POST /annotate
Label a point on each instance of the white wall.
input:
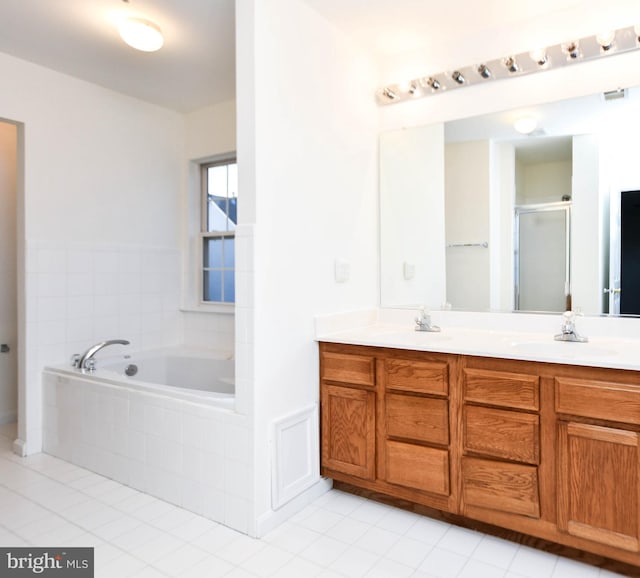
(313, 144)
(412, 234)
(103, 180)
(544, 182)
(8, 272)
(210, 133)
(467, 217)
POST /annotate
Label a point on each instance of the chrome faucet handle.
(90, 365)
(423, 322)
(568, 329)
(75, 360)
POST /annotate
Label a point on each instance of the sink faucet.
(86, 362)
(568, 329)
(423, 322)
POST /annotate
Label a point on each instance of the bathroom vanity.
(546, 448)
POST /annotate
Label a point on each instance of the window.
(219, 219)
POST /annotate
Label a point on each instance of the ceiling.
(196, 66)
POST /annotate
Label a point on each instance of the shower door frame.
(540, 208)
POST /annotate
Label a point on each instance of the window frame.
(204, 234)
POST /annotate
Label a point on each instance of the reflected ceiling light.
(525, 124)
(606, 39)
(539, 56)
(141, 34)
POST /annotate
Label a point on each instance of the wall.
(8, 272)
(544, 182)
(102, 184)
(307, 142)
(210, 132)
(412, 186)
(467, 213)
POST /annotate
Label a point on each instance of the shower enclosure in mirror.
(470, 175)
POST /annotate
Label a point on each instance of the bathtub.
(169, 430)
(201, 376)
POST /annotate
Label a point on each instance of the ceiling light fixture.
(141, 34)
(602, 45)
(525, 125)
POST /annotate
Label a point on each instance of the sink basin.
(566, 349)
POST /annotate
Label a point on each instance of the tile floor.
(45, 501)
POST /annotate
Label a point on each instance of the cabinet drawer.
(501, 486)
(417, 418)
(501, 388)
(501, 433)
(417, 467)
(347, 368)
(598, 399)
(417, 376)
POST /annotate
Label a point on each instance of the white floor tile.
(45, 501)
(443, 563)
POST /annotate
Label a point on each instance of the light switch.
(342, 270)
(409, 270)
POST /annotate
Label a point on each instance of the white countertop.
(531, 346)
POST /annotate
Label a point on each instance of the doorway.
(624, 286)
(8, 275)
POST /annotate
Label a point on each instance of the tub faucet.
(568, 329)
(86, 361)
(423, 322)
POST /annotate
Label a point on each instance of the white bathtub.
(201, 376)
(165, 431)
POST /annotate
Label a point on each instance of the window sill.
(227, 308)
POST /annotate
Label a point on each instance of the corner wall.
(313, 152)
(103, 177)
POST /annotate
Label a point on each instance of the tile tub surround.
(48, 502)
(188, 454)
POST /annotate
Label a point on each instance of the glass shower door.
(542, 271)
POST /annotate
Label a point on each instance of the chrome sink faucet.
(568, 329)
(423, 322)
(86, 362)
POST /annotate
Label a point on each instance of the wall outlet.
(409, 270)
(342, 270)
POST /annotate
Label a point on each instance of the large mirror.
(477, 216)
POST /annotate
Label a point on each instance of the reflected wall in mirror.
(475, 216)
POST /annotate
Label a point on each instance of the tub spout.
(86, 361)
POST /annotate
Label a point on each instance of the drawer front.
(347, 368)
(417, 467)
(516, 390)
(598, 399)
(501, 433)
(417, 376)
(501, 486)
(418, 418)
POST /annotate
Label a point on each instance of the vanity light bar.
(582, 50)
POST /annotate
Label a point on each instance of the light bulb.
(605, 39)
(572, 50)
(539, 56)
(511, 64)
(525, 124)
(141, 34)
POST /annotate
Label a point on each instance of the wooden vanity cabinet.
(348, 400)
(501, 438)
(544, 449)
(599, 458)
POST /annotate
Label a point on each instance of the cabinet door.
(598, 484)
(348, 430)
